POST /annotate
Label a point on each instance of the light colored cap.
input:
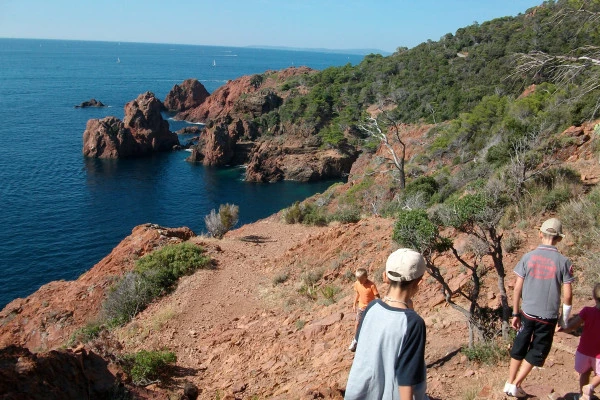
(552, 227)
(405, 265)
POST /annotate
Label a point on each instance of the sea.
(61, 213)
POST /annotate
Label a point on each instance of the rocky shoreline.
(230, 135)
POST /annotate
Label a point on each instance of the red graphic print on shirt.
(541, 267)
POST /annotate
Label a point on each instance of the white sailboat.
(118, 60)
(214, 63)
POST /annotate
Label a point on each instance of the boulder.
(143, 131)
(190, 94)
(90, 103)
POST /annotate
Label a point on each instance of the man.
(541, 274)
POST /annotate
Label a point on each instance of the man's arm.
(572, 325)
(516, 321)
(567, 294)
(406, 392)
(355, 302)
(567, 301)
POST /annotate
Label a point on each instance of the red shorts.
(585, 363)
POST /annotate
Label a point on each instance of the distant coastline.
(360, 52)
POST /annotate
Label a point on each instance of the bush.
(146, 367)
(308, 214)
(153, 275)
(329, 292)
(489, 353)
(346, 216)
(293, 214)
(85, 334)
(281, 278)
(511, 243)
(218, 224)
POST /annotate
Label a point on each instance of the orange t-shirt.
(366, 293)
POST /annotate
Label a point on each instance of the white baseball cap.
(405, 265)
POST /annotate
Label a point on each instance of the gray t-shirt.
(544, 271)
(390, 353)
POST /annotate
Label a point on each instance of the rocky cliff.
(233, 137)
(189, 94)
(142, 131)
(47, 318)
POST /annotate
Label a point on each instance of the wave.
(187, 122)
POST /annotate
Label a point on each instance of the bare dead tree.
(371, 127)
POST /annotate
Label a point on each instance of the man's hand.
(516, 323)
(353, 307)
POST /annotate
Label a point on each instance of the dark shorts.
(534, 340)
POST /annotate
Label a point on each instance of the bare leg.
(584, 379)
(523, 372)
(513, 369)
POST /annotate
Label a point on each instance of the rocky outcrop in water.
(271, 163)
(189, 94)
(90, 103)
(143, 131)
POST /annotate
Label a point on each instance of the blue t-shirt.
(544, 271)
(390, 353)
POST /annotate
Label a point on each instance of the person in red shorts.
(587, 356)
(366, 292)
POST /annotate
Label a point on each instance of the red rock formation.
(61, 374)
(222, 102)
(271, 163)
(47, 318)
(143, 131)
(190, 94)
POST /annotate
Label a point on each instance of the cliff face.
(142, 131)
(48, 317)
(232, 136)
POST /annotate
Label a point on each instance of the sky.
(329, 24)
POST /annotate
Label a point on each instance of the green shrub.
(554, 198)
(488, 352)
(153, 275)
(329, 292)
(427, 185)
(218, 224)
(313, 216)
(85, 334)
(293, 214)
(146, 367)
(346, 216)
(300, 324)
(511, 243)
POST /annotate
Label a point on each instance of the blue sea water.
(61, 213)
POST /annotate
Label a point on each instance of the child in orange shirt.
(366, 291)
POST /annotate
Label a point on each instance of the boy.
(390, 361)
(587, 356)
(366, 292)
(540, 275)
